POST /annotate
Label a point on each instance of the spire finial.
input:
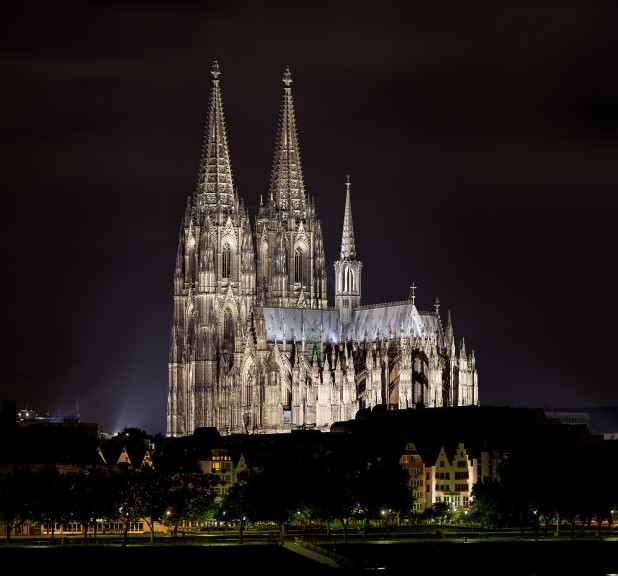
(347, 183)
(436, 305)
(215, 71)
(287, 77)
(412, 290)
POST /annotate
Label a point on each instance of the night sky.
(481, 140)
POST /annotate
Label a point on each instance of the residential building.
(412, 461)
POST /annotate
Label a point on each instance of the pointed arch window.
(281, 260)
(298, 265)
(226, 262)
(349, 279)
(417, 365)
(228, 330)
(264, 263)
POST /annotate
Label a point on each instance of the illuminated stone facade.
(254, 346)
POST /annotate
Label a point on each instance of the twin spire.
(215, 188)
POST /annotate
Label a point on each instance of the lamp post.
(469, 521)
(535, 513)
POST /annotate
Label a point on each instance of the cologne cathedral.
(254, 346)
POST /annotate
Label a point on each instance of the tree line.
(300, 482)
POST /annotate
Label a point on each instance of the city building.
(601, 420)
(254, 345)
(412, 461)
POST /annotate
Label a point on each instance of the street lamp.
(470, 521)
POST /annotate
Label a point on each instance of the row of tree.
(539, 487)
(283, 483)
(306, 484)
(93, 494)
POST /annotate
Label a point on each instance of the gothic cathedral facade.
(254, 346)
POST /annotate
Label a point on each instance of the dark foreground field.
(547, 558)
(512, 558)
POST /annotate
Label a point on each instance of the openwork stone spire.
(287, 188)
(348, 249)
(215, 189)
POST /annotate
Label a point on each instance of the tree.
(189, 496)
(150, 503)
(383, 485)
(440, 511)
(52, 498)
(515, 493)
(16, 496)
(133, 433)
(276, 481)
(337, 489)
(130, 489)
(237, 503)
(487, 503)
(91, 497)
